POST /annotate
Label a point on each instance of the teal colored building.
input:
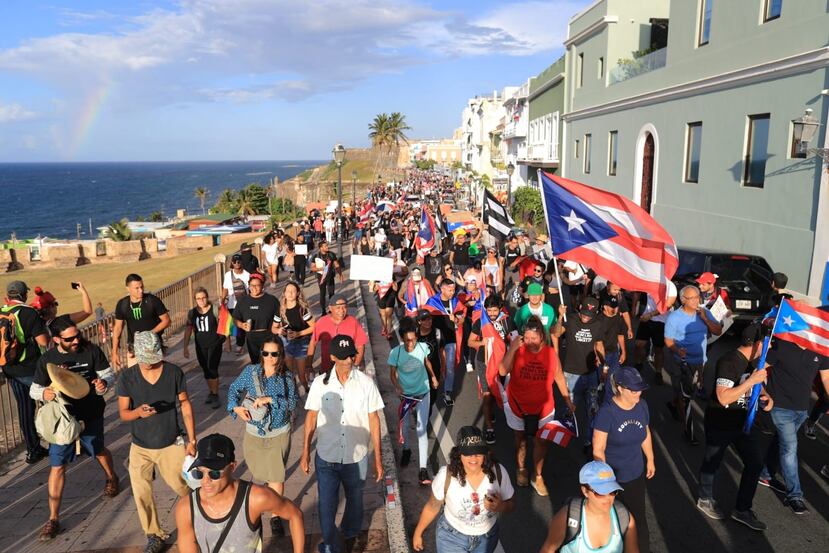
(694, 109)
(546, 107)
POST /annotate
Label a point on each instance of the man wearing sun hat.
(80, 372)
(147, 397)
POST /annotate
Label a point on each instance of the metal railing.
(177, 297)
(638, 66)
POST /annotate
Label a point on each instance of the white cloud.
(255, 50)
(15, 112)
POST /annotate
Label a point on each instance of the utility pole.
(78, 228)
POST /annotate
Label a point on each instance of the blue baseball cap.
(600, 477)
(629, 377)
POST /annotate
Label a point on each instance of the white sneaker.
(710, 508)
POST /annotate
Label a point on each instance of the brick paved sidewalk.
(94, 523)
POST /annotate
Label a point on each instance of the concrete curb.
(398, 540)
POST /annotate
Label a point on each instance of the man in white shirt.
(344, 406)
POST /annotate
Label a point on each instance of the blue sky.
(253, 79)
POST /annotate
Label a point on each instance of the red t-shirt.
(326, 329)
(530, 388)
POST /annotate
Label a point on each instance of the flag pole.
(755, 390)
(550, 234)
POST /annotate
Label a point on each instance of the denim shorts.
(297, 348)
(92, 441)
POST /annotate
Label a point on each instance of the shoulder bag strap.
(447, 482)
(234, 512)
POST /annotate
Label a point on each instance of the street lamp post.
(339, 157)
(510, 171)
(353, 188)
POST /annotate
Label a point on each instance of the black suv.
(746, 278)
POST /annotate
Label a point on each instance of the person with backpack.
(203, 321)
(594, 521)
(622, 439)
(23, 336)
(411, 374)
(473, 489)
(211, 519)
(264, 395)
(73, 353)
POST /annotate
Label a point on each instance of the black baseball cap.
(236, 257)
(215, 452)
(610, 301)
(342, 346)
(589, 307)
(422, 315)
(470, 441)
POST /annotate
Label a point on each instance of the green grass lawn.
(105, 281)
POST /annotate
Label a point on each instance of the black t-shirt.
(297, 320)
(732, 369)
(435, 340)
(140, 316)
(205, 327)
(504, 326)
(262, 311)
(461, 253)
(328, 259)
(433, 265)
(249, 262)
(161, 429)
(87, 361)
(611, 329)
(623, 302)
(791, 374)
(580, 357)
(395, 240)
(444, 324)
(510, 256)
(33, 326)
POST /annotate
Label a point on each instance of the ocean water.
(50, 199)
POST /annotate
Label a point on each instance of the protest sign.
(371, 267)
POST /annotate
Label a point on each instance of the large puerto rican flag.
(611, 234)
(495, 348)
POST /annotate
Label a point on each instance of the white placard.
(301, 249)
(319, 263)
(371, 267)
(719, 309)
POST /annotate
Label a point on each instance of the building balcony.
(516, 128)
(636, 66)
(543, 154)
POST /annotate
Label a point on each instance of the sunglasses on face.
(594, 492)
(271, 354)
(197, 474)
(71, 338)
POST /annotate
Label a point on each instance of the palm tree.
(386, 133)
(118, 231)
(201, 193)
(227, 201)
(378, 130)
(246, 202)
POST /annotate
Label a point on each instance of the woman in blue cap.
(594, 522)
(622, 439)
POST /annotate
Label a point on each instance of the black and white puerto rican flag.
(494, 215)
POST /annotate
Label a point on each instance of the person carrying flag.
(532, 367)
(725, 418)
(415, 291)
(496, 322)
(799, 355)
(411, 374)
(449, 315)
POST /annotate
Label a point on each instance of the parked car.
(747, 278)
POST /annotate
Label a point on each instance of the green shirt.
(548, 316)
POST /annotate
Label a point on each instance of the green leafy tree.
(118, 231)
(156, 217)
(258, 197)
(201, 193)
(527, 207)
(228, 202)
(425, 164)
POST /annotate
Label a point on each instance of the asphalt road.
(676, 525)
